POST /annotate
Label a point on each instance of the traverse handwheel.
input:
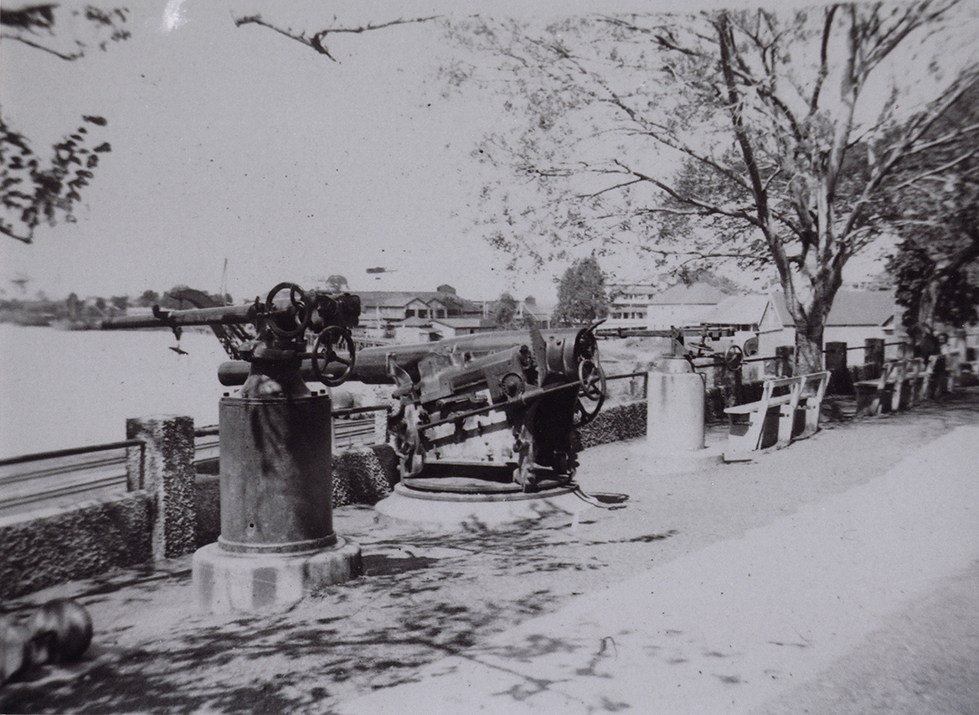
(333, 355)
(591, 393)
(291, 323)
(733, 357)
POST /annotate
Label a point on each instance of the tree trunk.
(809, 346)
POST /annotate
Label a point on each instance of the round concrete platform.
(226, 581)
(472, 509)
(660, 460)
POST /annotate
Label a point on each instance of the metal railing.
(102, 470)
(66, 476)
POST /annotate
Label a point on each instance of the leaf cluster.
(33, 190)
(35, 25)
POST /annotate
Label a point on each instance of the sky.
(237, 146)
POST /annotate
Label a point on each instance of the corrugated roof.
(683, 294)
(400, 298)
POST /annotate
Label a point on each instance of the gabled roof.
(739, 310)
(853, 307)
(401, 298)
(782, 308)
(683, 294)
(850, 307)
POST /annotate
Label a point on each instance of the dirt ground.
(427, 594)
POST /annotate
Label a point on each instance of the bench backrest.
(814, 384)
(893, 371)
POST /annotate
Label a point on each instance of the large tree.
(935, 208)
(35, 187)
(505, 312)
(756, 136)
(581, 297)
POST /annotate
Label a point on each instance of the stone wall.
(207, 520)
(56, 545)
(614, 424)
(44, 548)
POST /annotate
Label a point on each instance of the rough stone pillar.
(839, 378)
(168, 474)
(381, 427)
(873, 353)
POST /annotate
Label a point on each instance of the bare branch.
(315, 42)
(706, 208)
(7, 231)
(38, 46)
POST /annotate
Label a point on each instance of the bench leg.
(786, 420)
(868, 403)
(896, 396)
(812, 419)
(745, 432)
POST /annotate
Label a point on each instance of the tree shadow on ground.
(424, 596)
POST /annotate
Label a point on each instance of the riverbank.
(430, 595)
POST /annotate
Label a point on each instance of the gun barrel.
(372, 365)
(233, 373)
(221, 315)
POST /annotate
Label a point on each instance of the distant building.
(682, 306)
(422, 316)
(523, 310)
(628, 306)
(453, 327)
(381, 312)
(753, 317)
(858, 315)
(421, 330)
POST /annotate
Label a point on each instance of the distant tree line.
(41, 310)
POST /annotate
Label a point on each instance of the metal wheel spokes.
(586, 346)
(333, 355)
(294, 322)
(592, 380)
(591, 394)
(733, 357)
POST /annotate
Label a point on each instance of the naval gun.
(500, 403)
(725, 354)
(273, 338)
(510, 399)
(276, 452)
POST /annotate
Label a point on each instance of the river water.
(61, 388)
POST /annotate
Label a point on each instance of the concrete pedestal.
(277, 542)
(225, 581)
(675, 421)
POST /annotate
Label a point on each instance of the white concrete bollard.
(675, 408)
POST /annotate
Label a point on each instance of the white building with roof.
(682, 306)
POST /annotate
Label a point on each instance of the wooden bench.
(884, 393)
(810, 402)
(774, 418)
